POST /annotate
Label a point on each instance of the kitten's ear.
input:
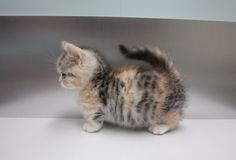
(72, 50)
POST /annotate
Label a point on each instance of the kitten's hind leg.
(93, 123)
(169, 121)
(159, 129)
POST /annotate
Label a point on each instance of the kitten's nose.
(60, 78)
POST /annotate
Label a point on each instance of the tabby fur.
(131, 96)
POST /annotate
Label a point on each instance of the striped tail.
(156, 57)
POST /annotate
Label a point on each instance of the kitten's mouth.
(67, 86)
(62, 84)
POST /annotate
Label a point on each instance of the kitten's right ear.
(72, 50)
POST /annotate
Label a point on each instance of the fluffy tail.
(156, 58)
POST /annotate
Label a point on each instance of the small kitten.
(130, 96)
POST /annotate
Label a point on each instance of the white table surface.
(63, 139)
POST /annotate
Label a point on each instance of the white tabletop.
(63, 139)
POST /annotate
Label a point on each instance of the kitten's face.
(75, 66)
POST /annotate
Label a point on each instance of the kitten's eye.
(63, 75)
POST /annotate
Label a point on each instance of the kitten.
(130, 96)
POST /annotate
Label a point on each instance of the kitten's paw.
(91, 127)
(159, 129)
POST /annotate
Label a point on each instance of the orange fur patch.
(127, 75)
(171, 119)
(162, 89)
(88, 101)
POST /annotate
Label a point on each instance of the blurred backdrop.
(204, 52)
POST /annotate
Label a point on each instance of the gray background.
(204, 52)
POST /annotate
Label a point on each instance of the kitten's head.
(77, 66)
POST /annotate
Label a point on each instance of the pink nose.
(60, 79)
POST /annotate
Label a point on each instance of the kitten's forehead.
(60, 58)
(64, 62)
(89, 62)
(59, 61)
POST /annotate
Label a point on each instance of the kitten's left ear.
(72, 50)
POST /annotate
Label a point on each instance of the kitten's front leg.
(94, 123)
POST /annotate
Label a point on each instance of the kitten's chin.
(67, 86)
